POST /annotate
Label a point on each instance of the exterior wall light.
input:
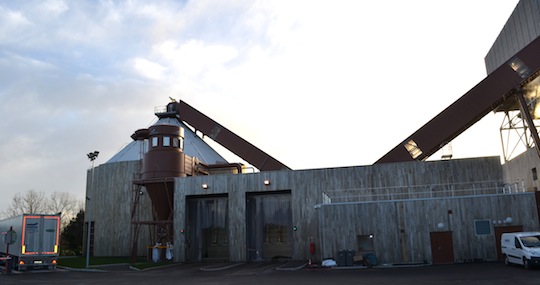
(507, 220)
(518, 66)
(205, 186)
(266, 182)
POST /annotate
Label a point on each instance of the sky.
(315, 84)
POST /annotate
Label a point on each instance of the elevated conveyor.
(250, 153)
(499, 90)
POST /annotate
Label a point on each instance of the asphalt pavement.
(295, 273)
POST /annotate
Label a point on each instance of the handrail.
(460, 189)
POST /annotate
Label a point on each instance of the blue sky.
(313, 83)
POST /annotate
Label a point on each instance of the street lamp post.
(92, 156)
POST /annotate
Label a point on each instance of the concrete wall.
(110, 208)
(400, 203)
(307, 188)
(401, 229)
(518, 172)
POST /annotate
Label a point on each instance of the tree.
(72, 236)
(33, 202)
(64, 203)
(29, 202)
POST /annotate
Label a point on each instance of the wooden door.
(498, 233)
(442, 247)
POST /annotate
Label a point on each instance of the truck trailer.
(32, 241)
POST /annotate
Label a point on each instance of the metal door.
(442, 247)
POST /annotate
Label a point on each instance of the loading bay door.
(269, 226)
(207, 229)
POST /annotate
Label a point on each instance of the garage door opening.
(269, 226)
(207, 235)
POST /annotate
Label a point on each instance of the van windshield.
(532, 241)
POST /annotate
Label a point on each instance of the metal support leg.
(528, 118)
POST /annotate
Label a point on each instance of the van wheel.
(526, 263)
(506, 260)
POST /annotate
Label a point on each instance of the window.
(166, 141)
(534, 174)
(482, 227)
(178, 142)
(154, 141)
(145, 146)
(531, 241)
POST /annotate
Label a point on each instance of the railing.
(430, 191)
(514, 187)
(160, 109)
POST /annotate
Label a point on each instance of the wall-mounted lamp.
(507, 220)
(266, 182)
(205, 186)
(440, 226)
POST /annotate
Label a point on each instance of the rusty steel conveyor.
(228, 139)
(503, 87)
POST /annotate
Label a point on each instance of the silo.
(163, 161)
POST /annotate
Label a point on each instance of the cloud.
(148, 69)
(294, 78)
(12, 24)
(54, 8)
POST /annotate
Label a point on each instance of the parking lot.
(269, 273)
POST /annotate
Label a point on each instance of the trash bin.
(341, 258)
(345, 258)
(370, 259)
(349, 258)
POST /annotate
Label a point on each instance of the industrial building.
(169, 187)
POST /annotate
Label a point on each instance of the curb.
(287, 267)
(80, 269)
(210, 268)
(154, 267)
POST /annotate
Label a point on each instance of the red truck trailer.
(32, 241)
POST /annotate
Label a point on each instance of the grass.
(80, 262)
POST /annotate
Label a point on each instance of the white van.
(521, 248)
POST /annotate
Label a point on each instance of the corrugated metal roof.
(194, 146)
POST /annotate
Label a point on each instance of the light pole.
(92, 156)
